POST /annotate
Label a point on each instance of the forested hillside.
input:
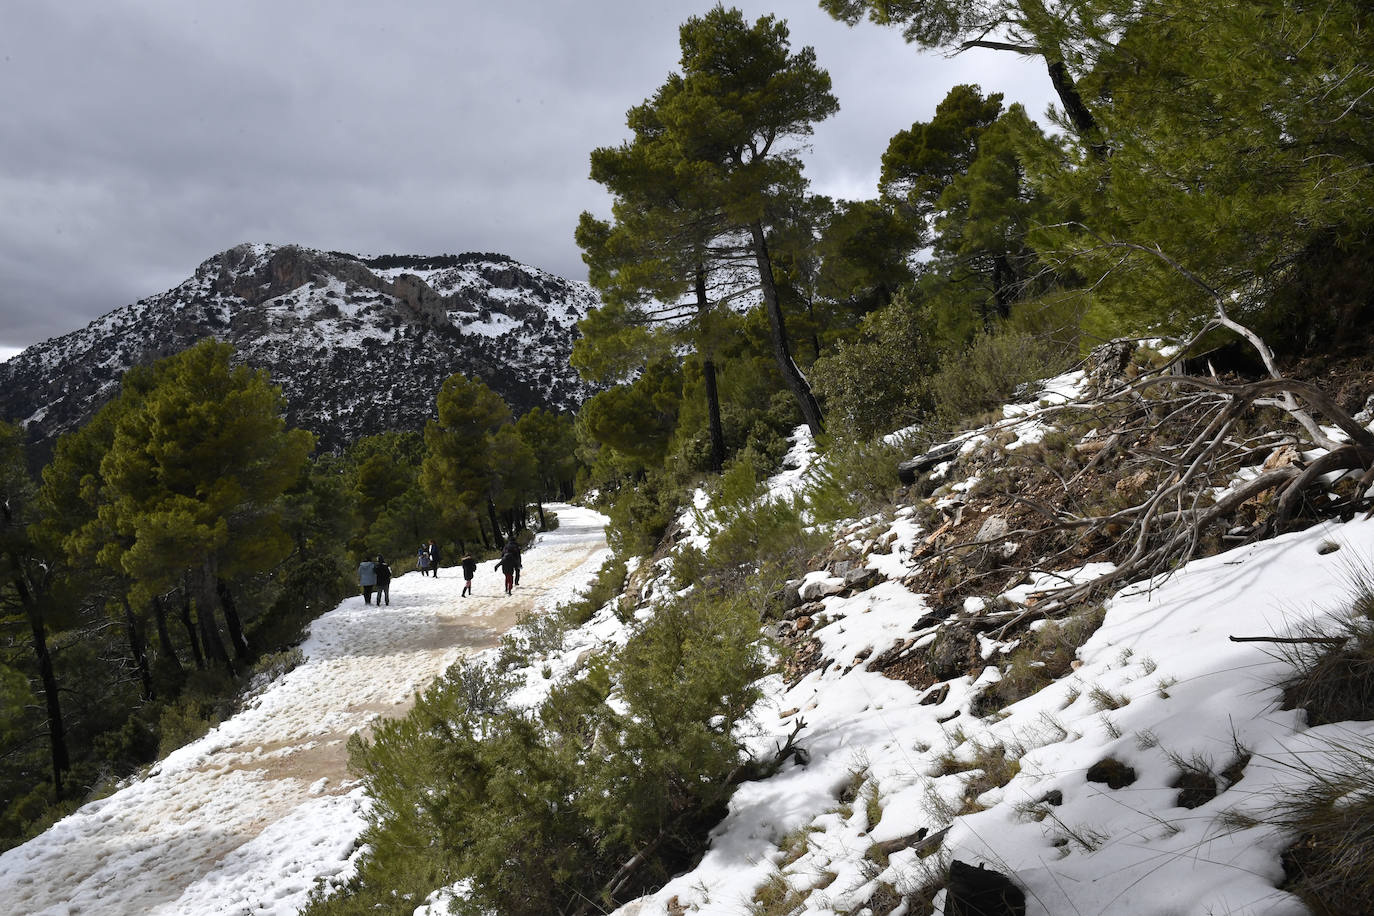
(177, 544)
(1181, 242)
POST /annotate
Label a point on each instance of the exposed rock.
(862, 578)
(817, 589)
(982, 891)
(1106, 364)
(953, 653)
(1133, 485)
(1111, 771)
(791, 594)
(810, 609)
(1283, 457)
(935, 696)
(994, 528)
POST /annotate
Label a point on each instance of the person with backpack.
(383, 573)
(367, 578)
(469, 567)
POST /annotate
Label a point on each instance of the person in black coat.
(469, 567)
(433, 550)
(383, 573)
(509, 562)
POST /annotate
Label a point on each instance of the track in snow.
(244, 820)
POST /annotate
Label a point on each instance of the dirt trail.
(140, 850)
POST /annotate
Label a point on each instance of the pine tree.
(1241, 139)
(194, 480)
(28, 604)
(715, 138)
(474, 462)
(551, 439)
(1063, 36)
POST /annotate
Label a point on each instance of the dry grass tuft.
(1328, 866)
(1333, 682)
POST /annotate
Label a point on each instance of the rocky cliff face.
(358, 345)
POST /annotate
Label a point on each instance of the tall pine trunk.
(232, 622)
(1084, 124)
(708, 371)
(138, 649)
(164, 637)
(209, 635)
(57, 732)
(192, 636)
(495, 525)
(777, 333)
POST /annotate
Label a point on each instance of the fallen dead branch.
(1187, 436)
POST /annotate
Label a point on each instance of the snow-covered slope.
(358, 345)
(1160, 683)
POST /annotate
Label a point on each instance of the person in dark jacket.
(509, 562)
(433, 550)
(383, 574)
(469, 567)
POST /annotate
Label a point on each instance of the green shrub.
(852, 480)
(1045, 654)
(180, 724)
(207, 700)
(877, 381)
(534, 810)
(640, 512)
(757, 542)
(610, 579)
(989, 371)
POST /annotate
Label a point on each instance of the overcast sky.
(141, 137)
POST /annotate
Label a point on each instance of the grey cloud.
(155, 133)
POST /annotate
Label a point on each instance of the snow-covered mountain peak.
(359, 344)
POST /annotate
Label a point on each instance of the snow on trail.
(244, 820)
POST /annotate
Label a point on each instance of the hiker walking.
(422, 560)
(509, 562)
(433, 549)
(383, 574)
(367, 578)
(469, 567)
